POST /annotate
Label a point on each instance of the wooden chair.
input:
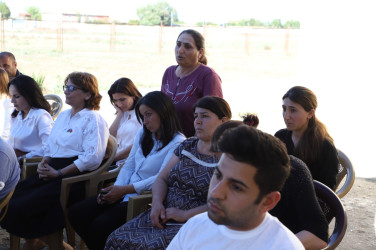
(92, 185)
(346, 169)
(4, 205)
(56, 104)
(337, 211)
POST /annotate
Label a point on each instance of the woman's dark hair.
(4, 80)
(215, 104)
(199, 42)
(29, 89)
(124, 86)
(88, 83)
(251, 120)
(163, 106)
(309, 145)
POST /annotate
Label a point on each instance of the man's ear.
(270, 201)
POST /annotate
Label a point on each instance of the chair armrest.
(138, 204)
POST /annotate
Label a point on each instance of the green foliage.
(4, 10)
(276, 23)
(247, 22)
(292, 24)
(153, 14)
(206, 23)
(134, 22)
(40, 80)
(34, 13)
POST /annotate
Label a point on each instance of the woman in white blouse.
(124, 95)
(95, 218)
(31, 121)
(77, 144)
(6, 106)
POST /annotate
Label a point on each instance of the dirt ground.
(360, 205)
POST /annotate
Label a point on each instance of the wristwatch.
(59, 173)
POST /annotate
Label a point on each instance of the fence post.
(60, 35)
(2, 35)
(112, 37)
(287, 39)
(246, 44)
(160, 38)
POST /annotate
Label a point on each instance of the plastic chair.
(138, 204)
(56, 104)
(91, 188)
(337, 211)
(4, 205)
(345, 169)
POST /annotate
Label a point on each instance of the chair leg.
(14, 242)
(55, 240)
(71, 234)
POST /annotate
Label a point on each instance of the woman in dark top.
(306, 137)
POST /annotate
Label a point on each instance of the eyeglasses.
(69, 88)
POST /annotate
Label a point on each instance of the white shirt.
(200, 232)
(141, 171)
(84, 135)
(126, 132)
(30, 134)
(6, 108)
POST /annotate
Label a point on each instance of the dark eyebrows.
(232, 180)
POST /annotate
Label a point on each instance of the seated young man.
(245, 186)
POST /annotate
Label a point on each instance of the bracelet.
(59, 173)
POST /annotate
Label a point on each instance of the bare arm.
(123, 154)
(184, 215)
(45, 171)
(158, 212)
(310, 241)
(116, 123)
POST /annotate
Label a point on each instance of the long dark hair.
(163, 106)
(309, 146)
(199, 42)
(127, 87)
(29, 89)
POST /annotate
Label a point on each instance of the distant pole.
(2, 35)
(112, 38)
(60, 35)
(287, 39)
(246, 44)
(160, 38)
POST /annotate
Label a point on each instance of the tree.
(153, 14)
(4, 10)
(34, 13)
(276, 23)
(292, 24)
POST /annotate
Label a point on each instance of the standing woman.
(306, 137)
(124, 95)
(31, 121)
(191, 79)
(6, 106)
(77, 144)
(95, 218)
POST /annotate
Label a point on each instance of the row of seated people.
(150, 154)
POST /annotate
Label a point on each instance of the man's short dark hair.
(8, 54)
(261, 150)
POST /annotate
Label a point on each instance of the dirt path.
(360, 204)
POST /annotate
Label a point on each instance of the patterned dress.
(188, 184)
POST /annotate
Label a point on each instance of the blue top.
(141, 171)
(9, 169)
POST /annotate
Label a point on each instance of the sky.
(191, 11)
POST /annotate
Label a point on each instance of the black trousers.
(95, 222)
(34, 210)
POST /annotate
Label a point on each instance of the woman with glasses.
(181, 188)
(31, 121)
(124, 95)
(77, 144)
